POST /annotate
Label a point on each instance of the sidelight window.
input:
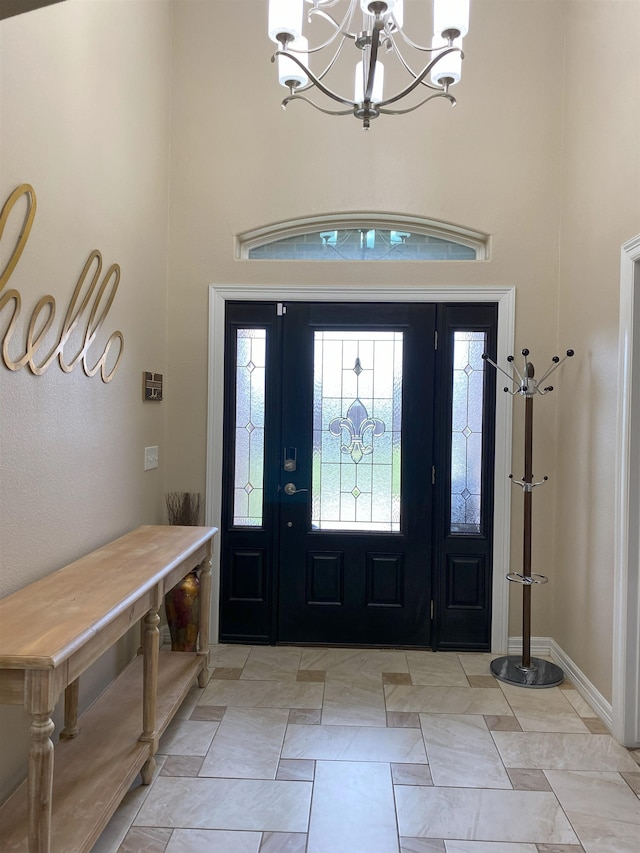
(249, 427)
(466, 431)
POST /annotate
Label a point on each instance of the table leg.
(40, 782)
(205, 616)
(71, 727)
(151, 652)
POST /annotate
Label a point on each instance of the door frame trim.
(626, 590)
(505, 297)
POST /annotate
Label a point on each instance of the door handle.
(290, 489)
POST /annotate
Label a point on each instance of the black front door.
(355, 541)
(356, 509)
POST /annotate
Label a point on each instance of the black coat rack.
(527, 671)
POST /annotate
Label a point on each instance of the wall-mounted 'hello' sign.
(88, 307)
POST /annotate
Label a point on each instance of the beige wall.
(601, 210)
(84, 118)
(492, 163)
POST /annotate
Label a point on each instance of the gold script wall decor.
(85, 306)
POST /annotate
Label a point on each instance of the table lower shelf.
(93, 771)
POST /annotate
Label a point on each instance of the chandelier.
(381, 32)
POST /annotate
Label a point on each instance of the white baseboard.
(547, 647)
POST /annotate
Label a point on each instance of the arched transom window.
(363, 237)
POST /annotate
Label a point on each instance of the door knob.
(290, 489)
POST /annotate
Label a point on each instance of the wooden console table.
(50, 633)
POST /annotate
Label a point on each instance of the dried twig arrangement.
(183, 508)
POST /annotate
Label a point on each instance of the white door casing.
(503, 296)
(626, 597)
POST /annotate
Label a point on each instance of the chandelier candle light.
(382, 30)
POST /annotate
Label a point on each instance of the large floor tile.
(230, 804)
(145, 839)
(228, 656)
(476, 663)
(446, 700)
(354, 743)
(543, 710)
(355, 660)
(353, 809)
(558, 751)
(482, 815)
(436, 668)
(247, 744)
(272, 663)
(213, 841)
(604, 811)
(187, 737)
(580, 705)
(353, 699)
(263, 694)
(488, 847)
(461, 752)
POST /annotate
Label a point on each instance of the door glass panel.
(466, 431)
(249, 427)
(357, 413)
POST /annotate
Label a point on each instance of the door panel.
(463, 517)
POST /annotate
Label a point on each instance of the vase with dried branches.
(182, 603)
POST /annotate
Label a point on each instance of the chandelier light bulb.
(448, 69)
(360, 82)
(290, 75)
(451, 16)
(380, 7)
(285, 19)
(398, 14)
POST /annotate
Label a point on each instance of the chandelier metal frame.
(382, 29)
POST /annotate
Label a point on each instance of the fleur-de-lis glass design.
(358, 427)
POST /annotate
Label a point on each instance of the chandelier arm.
(446, 95)
(320, 85)
(408, 68)
(426, 70)
(326, 70)
(414, 44)
(290, 98)
(339, 27)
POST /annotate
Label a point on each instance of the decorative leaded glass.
(466, 431)
(357, 413)
(363, 244)
(249, 427)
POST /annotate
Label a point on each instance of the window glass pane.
(466, 431)
(249, 427)
(357, 405)
(369, 244)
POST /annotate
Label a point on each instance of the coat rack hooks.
(526, 671)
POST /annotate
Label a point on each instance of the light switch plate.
(150, 458)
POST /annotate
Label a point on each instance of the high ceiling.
(9, 8)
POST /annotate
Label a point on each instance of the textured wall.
(84, 118)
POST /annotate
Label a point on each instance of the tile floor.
(308, 750)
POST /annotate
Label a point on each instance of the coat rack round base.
(539, 673)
